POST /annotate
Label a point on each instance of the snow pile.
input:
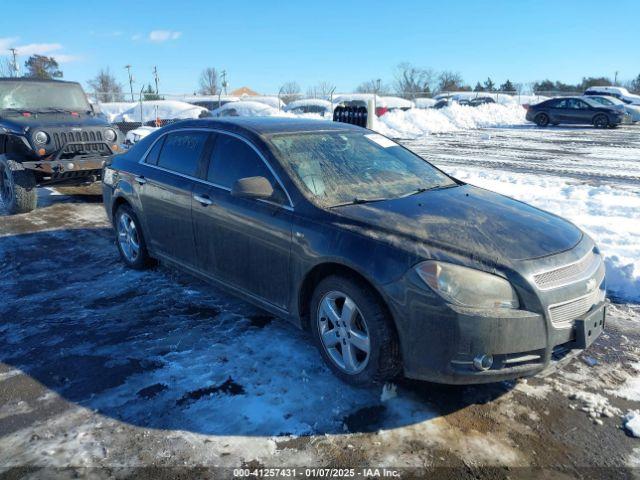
(112, 109)
(610, 215)
(417, 122)
(632, 422)
(308, 102)
(595, 405)
(248, 109)
(396, 102)
(162, 109)
(273, 102)
(137, 134)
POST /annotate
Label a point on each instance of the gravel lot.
(104, 370)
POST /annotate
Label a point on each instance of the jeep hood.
(466, 220)
(43, 121)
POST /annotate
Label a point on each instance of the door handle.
(203, 200)
(141, 180)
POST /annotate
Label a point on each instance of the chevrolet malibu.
(393, 266)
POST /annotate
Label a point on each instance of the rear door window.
(154, 153)
(181, 152)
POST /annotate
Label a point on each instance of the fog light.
(483, 362)
(70, 166)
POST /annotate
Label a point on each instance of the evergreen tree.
(489, 86)
(507, 86)
(478, 87)
(150, 94)
(40, 66)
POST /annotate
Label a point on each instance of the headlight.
(466, 286)
(41, 138)
(110, 135)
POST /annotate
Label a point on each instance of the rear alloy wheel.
(353, 332)
(130, 240)
(18, 191)
(601, 121)
(542, 120)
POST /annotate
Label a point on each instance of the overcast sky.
(262, 44)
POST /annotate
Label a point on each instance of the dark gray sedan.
(392, 265)
(574, 110)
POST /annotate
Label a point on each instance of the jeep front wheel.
(18, 192)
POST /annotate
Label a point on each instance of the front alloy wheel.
(343, 332)
(354, 331)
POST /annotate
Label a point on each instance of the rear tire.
(542, 119)
(369, 327)
(18, 191)
(130, 239)
(600, 121)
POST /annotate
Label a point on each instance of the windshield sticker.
(384, 142)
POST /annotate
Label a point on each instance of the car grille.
(563, 315)
(569, 273)
(61, 138)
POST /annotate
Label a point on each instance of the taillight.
(381, 111)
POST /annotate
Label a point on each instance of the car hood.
(44, 121)
(465, 220)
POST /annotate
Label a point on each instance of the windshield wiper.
(359, 201)
(16, 110)
(426, 189)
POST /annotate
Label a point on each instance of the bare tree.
(209, 82)
(376, 86)
(411, 81)
(289, 92)
(105, 87)
(450, 81)
(321, 90)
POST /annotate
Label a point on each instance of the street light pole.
(155, 77)
(14, 66)
(128, 67)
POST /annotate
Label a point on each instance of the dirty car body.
(478, 287)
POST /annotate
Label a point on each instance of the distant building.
(242, 91)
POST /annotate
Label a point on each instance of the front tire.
(542, 120)
(601, 121)
(130, 239)
(354, 332)
(18, 191)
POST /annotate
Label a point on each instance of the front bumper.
(57, 167)
(439, 342)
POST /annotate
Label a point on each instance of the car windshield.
(337, 168)
(42, 96)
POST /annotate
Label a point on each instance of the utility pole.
(615, 80)
(128, 67)
(155, 77)
(14, 66)
(224, 81)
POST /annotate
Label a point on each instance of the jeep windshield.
(42, 97)
(339, 168)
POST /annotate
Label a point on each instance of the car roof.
(269, 125)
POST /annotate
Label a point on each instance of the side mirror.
(252, 187)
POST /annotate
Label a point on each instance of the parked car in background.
(49, 135)
(397, 103)
(476, 102)
(376, 252)
(273, 102)
(310, 105)
(574, 110)
(617, 92)
(632, 110)
(244, 109)
(424, 102)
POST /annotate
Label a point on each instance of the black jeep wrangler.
(49, 135)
